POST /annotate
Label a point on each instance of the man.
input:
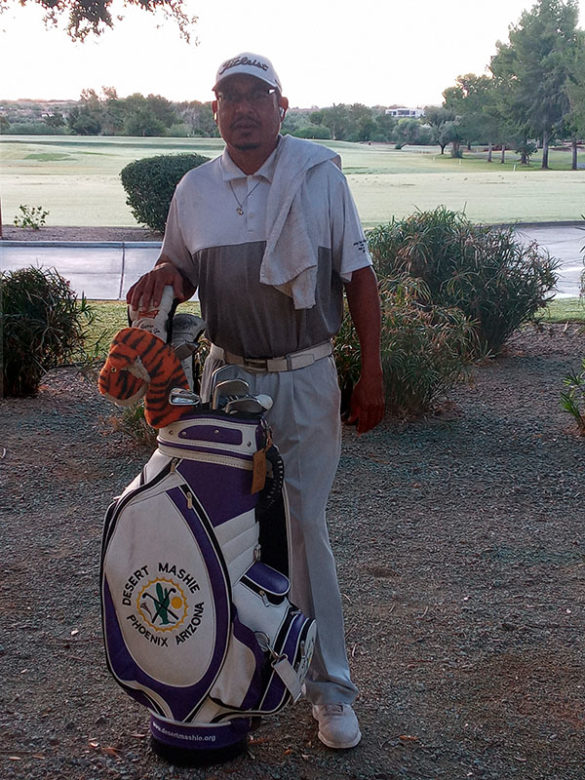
(269, 235)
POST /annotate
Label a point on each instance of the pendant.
(240, 211)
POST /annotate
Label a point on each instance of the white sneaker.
(338, 725)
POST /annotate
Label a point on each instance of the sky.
(375, 52)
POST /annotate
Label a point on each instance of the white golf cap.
(248, 64)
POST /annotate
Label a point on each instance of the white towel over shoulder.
(290, 258)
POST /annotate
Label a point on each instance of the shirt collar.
(231, 171)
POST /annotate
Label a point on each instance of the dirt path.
(461, 560)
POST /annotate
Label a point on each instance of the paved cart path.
(105, 270)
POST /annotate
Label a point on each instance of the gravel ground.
(461, 561)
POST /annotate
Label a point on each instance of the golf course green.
(77, 180)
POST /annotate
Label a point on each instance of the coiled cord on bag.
(275, 481)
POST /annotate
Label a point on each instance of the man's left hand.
(367, 403)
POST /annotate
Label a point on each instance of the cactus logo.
(162, 605)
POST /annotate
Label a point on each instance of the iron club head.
(180, 397)
(227, 388)
(247, 404)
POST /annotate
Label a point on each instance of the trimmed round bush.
(43, 326)
(496, 281)
(150, 184)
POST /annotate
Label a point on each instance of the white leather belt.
(300, 359)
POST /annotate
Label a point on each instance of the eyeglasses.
(255, 97)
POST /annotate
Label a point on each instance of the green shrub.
(31, 217)
(33, 128)
(42, 323)
(424, 348)
(496, 281)
(150, 184)
(313, 131)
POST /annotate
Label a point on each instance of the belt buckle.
(255, 363)
(274, 365)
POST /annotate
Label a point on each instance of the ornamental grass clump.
(150, 184)
(573, 397)
(425, 349)
(495, 280)
(131, 422)
(43, 326)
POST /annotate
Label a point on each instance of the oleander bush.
(425, 349)
(150, 184)
(496, 281)
(43, 325)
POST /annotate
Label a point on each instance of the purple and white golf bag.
(197, 622)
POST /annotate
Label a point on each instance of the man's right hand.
(147, 291)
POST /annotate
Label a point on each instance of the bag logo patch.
(162, 605)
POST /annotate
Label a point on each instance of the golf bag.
(197, 622)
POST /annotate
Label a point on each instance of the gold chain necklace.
(240, 209)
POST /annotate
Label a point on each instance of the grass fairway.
(112, 316)
(78, 180)
(565, 310)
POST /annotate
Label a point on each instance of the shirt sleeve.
(349, 242)
(174, 247)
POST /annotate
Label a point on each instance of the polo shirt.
(219, 250)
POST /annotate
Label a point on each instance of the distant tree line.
(532, 96)
(108, 114)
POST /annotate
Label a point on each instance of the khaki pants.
(306, 428)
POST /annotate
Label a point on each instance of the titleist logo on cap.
(241, 61)
(246, 63)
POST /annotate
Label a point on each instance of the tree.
(147, 116)
(533, 68)
(87, 118)
(385, 124)
(336, 118)
(113, 112)
(83, 122)
(199, 118)
(54, 120)
(143, 122)
(355, 122)
(162, 109)
(436, 117)
(406, 132)
(471, 100)
(361, 125)
(93, 17)
(575, 119)
(452, 133)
